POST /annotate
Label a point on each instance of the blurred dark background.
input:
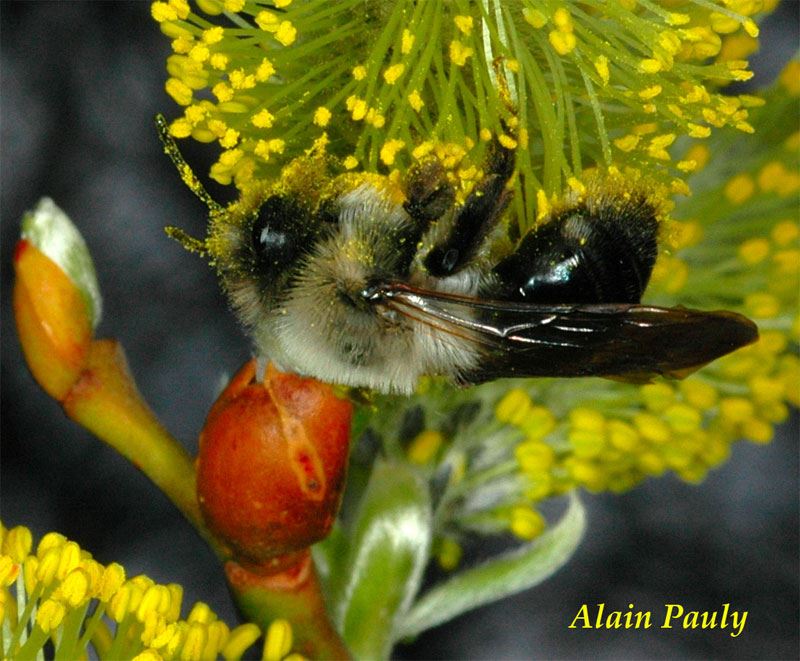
(81, 82)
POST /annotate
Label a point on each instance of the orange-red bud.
(53, 320)
(271, 465)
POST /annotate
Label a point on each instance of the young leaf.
(499, 577)
(388, 551)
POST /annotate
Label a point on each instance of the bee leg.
(476, 218)
(429, 195)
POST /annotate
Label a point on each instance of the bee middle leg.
(476, 218)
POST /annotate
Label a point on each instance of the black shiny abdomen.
(602, 255)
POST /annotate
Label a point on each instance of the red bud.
(272, 464)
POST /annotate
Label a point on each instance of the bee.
(363, 282)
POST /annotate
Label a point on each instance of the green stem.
(105, 401)
(294, 594)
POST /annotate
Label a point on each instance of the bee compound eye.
(278, 231)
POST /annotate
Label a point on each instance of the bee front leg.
(429, 195)
(476, 218)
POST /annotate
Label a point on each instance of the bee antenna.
(189, 242)
(184, 170)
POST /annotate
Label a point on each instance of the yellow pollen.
(161, 11)
(535, 17)
(194, 643)
(459, 53)
(415, 100)
(213, 35)
(322, 116)
(74, 588)
(278, 641)
(392, 74)
(698, 393)
(217, 127)
(790, 77)
(240, 639)
(424, 447)
(199, 53)
(627, 143)
(751, 28)
(678, 19)
(722, 23)
(526, 523)
(762, 305)
(657, 396)
(513, 407)
(9, 570)
(682, 418)
(740, 188)
(753, 251)
(182, 45)
(622, 436)
(698, 131)
(222, 91)
(267, 21)
(700, 154)
(179, 91)
(542, 205)
(201, 612)
(265, 70)
(736, 409)
(357, 107)
(350, 163)
(219, 61)
(463, 23)
(658, 145)
(17, 543)
(562, 42)
(70, 556)
(406, 42)
(230, 157)
(650, 66)
(576, 185)
(650, 92)
(50, 615)
(263, 119)
(601, 66)
(651, 428)
(507, 141)
(230, 139)
(286, 33)
(587, 419)
(359, 72)
(562, 20)
(390, 149)
(534, 456)
(785, 233)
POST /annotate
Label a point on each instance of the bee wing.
(620, 341)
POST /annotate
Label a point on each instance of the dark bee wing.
(619, 341)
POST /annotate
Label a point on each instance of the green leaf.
(50, 230)
(499, 577)
(389, 549)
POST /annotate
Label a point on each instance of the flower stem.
(293, 594)
(105, 401)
